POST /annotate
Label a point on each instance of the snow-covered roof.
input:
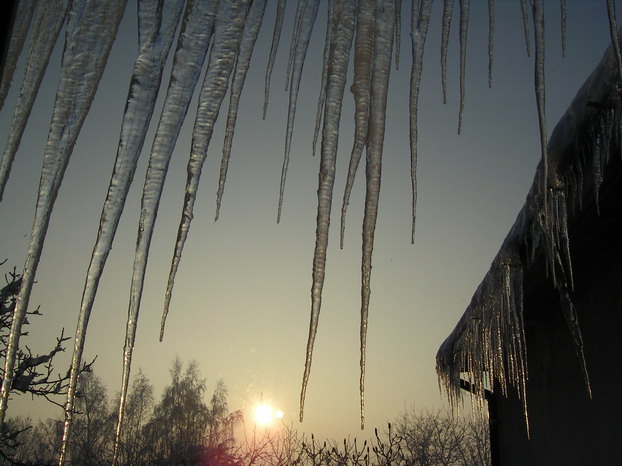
(488, 343)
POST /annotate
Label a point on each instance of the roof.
(488, 343)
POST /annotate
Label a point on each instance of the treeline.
(182, 429)
(179, 429)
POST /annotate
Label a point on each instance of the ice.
(342, 33)
(157, 26)
(192, 45)
(223, 53)
(252, 25)
(328, 42)
(489, 341)
(464, 28)
(448, 8)
(48, 20)
(398, 32)
(384, 33)
(613, 29)
(91, 29)
(363, 59)
(419, 24)
(21, 24)
(538, 21)
(523, 8)
(278, 26)
(562, 6)
(572, 321)
(295, 35)
(491, 33)
(301, 41)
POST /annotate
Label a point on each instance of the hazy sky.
(242, 298)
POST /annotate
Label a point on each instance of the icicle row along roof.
(488, 343)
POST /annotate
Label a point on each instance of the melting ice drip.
(231, 29)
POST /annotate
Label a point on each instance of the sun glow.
(265, 414)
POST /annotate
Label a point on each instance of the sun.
(265, 414)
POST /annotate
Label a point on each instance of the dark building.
(542, 336)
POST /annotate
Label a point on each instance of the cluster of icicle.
(224, 34)
(488, 345)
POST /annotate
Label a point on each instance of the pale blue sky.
(242, 299)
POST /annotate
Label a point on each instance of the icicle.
(448, 8)
(523, 8)
(278, 26)
(572, 321)
(49, 19)
(339, 55)
(491, 33)
(307, 21)
(464, 26)
(613, 30)
(192, 46)
(295, 38)
(562, 5)
(249, 37)
(90, 33)
(21, 24)
(154, 47)
(91, 30)
(538, 21)
(363, 58)
(419, 24)
(227, 36)
(384, 31)
(398, 32)
(325, 62)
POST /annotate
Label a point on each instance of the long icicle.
(338, 58)
(398, 32)
(538, 22)
(302, 43)
(491, 36)
(91, 30)
(21, 24)
(227, 35)
(249, 37)
(294, 43)
(363, 58)
(86, 51)
(384, 32)
(562, 7)
(464, 27)
(613, 30)
(448, 9)
(47, 23)
(154, 47)
(325, 61)
(276, 36)
(419, 29)
(192, 46)
(525, 15)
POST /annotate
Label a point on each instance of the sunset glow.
(265, 414)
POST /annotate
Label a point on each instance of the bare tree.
(439, 438)
(180, 420)
(33, 373)
(133, 448)
(92, 434)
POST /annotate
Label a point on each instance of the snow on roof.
(488, 343)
